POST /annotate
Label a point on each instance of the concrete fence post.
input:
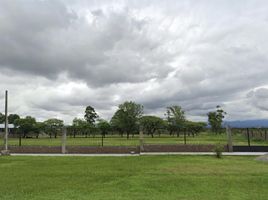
(141, 139)
(229, 139)
(63, 141)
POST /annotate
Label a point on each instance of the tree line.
(128, 120)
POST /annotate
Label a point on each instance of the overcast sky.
(57, 57)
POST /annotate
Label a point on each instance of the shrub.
(218, 150)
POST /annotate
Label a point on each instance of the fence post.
(141, 139)
(6, 151)
(229, 139)
(20, 140)
(248, 137)
(184, 136)
(63, 141)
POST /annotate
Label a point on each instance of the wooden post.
(141, 139)
(63, 141)
(248, 137)
(6, 151)
(229, 139)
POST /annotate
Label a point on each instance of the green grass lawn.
(144, 178)
(203, 138)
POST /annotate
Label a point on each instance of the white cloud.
(56, 57)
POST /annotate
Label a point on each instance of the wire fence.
(239, 137)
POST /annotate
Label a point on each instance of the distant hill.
(258, 123)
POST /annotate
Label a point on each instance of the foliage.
(218, 150)
(90, 115)
(2, 118)
(151, 124)
(195, 127)
(25, 125)
(175, 118)
(12, 118)
(104, 127)
(215, 119)
(53, 125)
(82, 127)
(127, 116)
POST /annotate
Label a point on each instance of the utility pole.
(6, 151)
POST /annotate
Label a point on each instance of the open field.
(145, 177)
(203, 138)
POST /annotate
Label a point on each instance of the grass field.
(203, 138)
(144, 178)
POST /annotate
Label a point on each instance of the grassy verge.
(146, 177)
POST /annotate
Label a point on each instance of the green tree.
(195, 127)
(2, 118)
(25, 125)
(53, 126)
(151, 124)
(12, 118)
(127, 116)
(104, 127)
(39, 128)
(175, 118)
(90, 115)
(116, 125)
(82, 127)
(215, 119)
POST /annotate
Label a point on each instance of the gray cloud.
(56, 57)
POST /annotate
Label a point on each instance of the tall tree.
(176, 119)
(127, 116)
(151, 124)
(215, 119)
(90, 115)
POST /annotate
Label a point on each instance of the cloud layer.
(56, 57)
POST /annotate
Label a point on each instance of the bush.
(218, 150)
